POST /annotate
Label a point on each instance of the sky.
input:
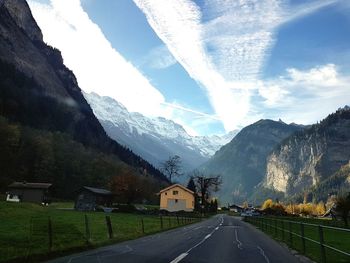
(210, 65)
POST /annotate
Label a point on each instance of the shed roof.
(25, 185)
(98, 191)
(176, 185)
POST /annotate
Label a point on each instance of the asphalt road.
(219, 239)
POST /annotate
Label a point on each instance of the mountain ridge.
(242, 162)
(311, 156)
(154, 138)
(46, 95)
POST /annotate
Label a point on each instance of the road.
(218, 239)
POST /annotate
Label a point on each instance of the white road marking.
(179, 258)
(183, 255)
(262, 252)
(238, 241)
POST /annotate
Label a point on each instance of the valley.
(199, 168)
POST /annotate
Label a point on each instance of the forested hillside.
(55, 135)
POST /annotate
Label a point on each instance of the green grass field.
(332, 237)
(24, 230)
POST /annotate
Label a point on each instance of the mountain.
(155, 139)
(311, 156)
(242, 162)
(40, 98)
(338, 183)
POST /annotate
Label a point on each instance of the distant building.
(176, 198)
(28, 192)
(90, 198)
(236, 208)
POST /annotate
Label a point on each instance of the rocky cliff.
(242, 162)
(309, 157)
(45, 94)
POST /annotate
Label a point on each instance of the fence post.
(275, 227)
(178, 221)
(142, 226)
(161, 222)
(50, 233)
(302, 232)
(290, 233)
(282, 222)
(182, 220)
(87, 229)
(169, 218)
(323, 252)
(109, 227)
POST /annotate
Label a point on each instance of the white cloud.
(307, 8)
(321, 76)
(306, 96)
(101, 69)
(177, 23)
(97, 65)
(223, 46)
(159, 58)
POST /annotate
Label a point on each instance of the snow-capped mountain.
(155, 139)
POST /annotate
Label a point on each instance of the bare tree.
(206, 185)
(172, 167)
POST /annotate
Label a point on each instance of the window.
(175, 192)
(166, 193)
(176, 200)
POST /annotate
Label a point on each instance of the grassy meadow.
(24, 230)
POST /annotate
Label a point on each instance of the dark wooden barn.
(28, 192)
(90, 198)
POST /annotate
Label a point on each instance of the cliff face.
(311, 156)
(242, 162)
(18, 9)
(52, 100)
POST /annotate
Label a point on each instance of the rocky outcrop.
(308, 157)
(19, 11)
(242, 162)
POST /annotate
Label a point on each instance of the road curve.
(219, 239)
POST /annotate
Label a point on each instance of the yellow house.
(176, 198)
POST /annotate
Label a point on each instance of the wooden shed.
(28, 192)
(89, 198)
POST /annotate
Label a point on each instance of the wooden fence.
(309, 239)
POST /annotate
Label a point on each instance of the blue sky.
(210, 65)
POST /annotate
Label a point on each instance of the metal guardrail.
(266, 223)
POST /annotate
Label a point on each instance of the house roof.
(25, 185)
(176, 185)
(236, 206)
(99, 191)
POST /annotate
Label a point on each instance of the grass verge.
(332, 237)
(25, 230)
